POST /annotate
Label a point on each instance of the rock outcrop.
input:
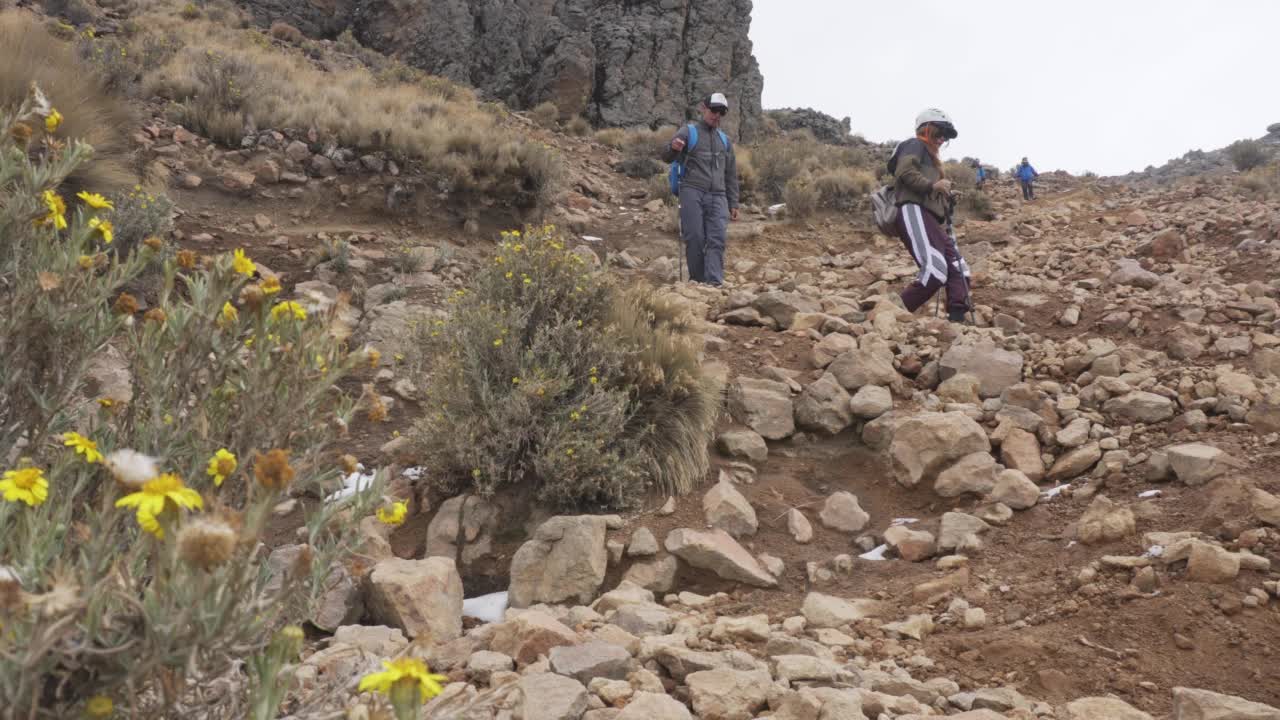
(619, 62)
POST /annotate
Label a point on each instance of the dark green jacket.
(914, 173)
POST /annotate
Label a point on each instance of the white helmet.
(940, 118)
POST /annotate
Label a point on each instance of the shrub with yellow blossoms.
(128, 572)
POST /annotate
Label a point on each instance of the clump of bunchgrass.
(546, 375)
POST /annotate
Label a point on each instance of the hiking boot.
(958, 315)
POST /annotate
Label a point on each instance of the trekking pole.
(951, 233)
(680, 241)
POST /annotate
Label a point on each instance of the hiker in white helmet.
(924, 197)
(705, 177)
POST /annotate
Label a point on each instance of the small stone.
(841, 512)
(643, 543)
(799, 527)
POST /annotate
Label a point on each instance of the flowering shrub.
(546, 375)
(131, 563)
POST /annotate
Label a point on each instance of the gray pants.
(704, 223)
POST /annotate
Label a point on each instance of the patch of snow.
(356, 482)
(592, 238)
(1155, 551)
(414, 473)
(1054, 492)
(904, 521)
(775, 209)
(1150, 494)
(490, 608)
(877, 554)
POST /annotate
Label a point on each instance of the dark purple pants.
(939, 260)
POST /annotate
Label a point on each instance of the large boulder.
(728, 694)
(1197, 463)
(828, 611)
(746, 444)
(871, 401)
(421, 597)
(1209, 563)
(1101, 708)
(565, 561)
(654, 706)
(1015, 489)
(726, 508)
(1075, 463)
(465, 519)
(765, 406)
(974, 473)
(912, 545)
(927, 444)
(994, 367)
(530, 635)
(784, 306)
(718, 552)
(843, 513)
(1141, 406)
(1020, 450)
(592, 660)
(824, 406)
(1105, 521)
(548, 696)
(1130, 272)
(832, 347)
(1192, 704)
(858, 368)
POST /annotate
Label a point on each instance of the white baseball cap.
(717, 100)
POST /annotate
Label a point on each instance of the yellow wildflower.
(374, 357)
(95, 201)
(288, 307)
(104, 227)
(83, 445)
(569, 452)
(271, 285)
(575, 416)
(99, 706)
(394, 515)
(85, 262)
(409, 672)
(229, 313)
(515, 381)
(242, 264)
(26, 485)
(221, 465)
(595, 380)
(52, 120)
(57, 216)
(497, 343)
(164, 493)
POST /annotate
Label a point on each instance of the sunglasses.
(720, 111)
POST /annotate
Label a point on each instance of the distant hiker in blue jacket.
(1026, 174)
(981, 175)
(708, 189)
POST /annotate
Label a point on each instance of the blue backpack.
(676, 174)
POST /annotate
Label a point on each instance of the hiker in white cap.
(705, 177)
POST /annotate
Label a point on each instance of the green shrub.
(779, 161)
(578, 127)
(546, 114)
(1263, 181)
(89, 112)
(139, 215)
(963, 177)
(978, 204)
(113, 588)
(612, 137)
(548, 377)
(285, 32)
(843, 189)
(801, 197)
(1247, 154)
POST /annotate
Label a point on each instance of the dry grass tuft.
(547, 115)
(285, 32)
(801, 196)
(223, 75)
(89, 112)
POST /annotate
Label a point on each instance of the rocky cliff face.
(619, 62)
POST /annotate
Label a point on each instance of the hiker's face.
(711, 117)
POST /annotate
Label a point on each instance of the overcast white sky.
(1108, 86)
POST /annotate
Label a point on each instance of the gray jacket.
(710, 166)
